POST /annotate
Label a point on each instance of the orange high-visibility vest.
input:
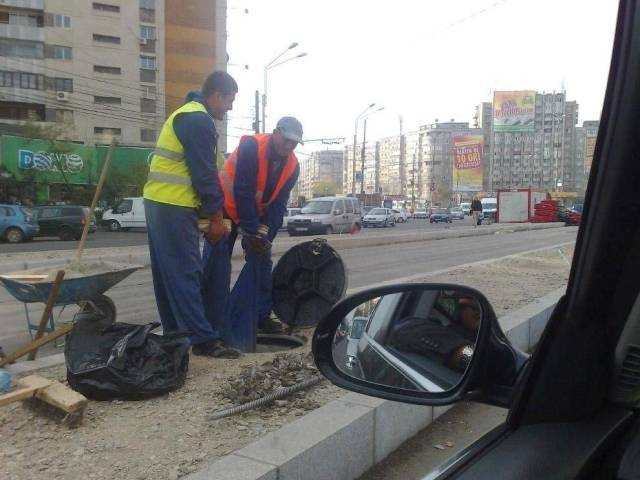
(228, 173)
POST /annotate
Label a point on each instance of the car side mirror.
(431, 344)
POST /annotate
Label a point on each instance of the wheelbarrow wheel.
(103, 305)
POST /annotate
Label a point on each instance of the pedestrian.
(183, 185)
(476, 210)
(257, 180)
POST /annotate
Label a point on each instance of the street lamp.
(355, 141)
(364, 141)
(273, 64)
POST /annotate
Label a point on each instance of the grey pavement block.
(397, 422)
(236, 467)
(364, 400)
(541, 318)
(334, 442)
(439, 411)
(518, 335)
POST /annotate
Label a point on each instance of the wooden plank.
(51, 301)
(55, 393)
(11, 357)
(36, 383)
(25, 277)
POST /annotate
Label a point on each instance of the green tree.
(58, 136)
(325, 188)
(118, 183)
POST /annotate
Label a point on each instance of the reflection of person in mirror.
(450, 343)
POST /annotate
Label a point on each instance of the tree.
(118, 183)
(442, 195)
(325, 188)
(58, 136)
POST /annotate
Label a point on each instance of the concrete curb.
(345, 438)
(139, 255)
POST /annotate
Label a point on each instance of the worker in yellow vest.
(181, 187)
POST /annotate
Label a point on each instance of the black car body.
(440, 215)
(63, 221)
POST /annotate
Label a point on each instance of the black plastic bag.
(125, 361)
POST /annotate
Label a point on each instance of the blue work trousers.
(176, 266)
(264, 267)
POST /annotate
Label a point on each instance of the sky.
(419, 59)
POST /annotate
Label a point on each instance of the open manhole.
(266, 343)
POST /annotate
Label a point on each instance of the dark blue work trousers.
(176, 265)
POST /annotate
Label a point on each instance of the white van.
(129, 213)
(489, 207)
(326, 215)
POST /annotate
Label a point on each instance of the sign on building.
(467, 163)
(514, 111)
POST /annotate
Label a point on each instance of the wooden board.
(29, 390)
(25, 277)
(56, 394)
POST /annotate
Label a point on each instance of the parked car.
(466, 208)
(572, 403)
(379, 217)
(401, 215)
(420, 213)
(326, 215)
(291, 212)
(17, 224)
(64, 221)
(457, 213)
(129, 213)
(440, 215)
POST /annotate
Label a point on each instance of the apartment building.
(540, 151)
(586, 137)
(112, 68)
(321, 173)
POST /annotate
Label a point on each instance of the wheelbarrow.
(86, 291)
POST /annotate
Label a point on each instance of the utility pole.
(364, 142)
(256, 123)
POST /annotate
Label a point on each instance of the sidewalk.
(139, 255)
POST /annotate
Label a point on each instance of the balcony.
(30, 4)
(22, 32)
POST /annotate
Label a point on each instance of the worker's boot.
(270, 325)
(216, 349)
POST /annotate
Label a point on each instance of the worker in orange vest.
(257, 180)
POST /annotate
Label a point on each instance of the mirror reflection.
(422, 339)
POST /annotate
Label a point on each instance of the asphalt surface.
(138, 236)
(135, 300)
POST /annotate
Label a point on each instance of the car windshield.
(490, 206)
(317, 207)
(377, 211)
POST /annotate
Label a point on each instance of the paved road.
(138, 236)
(366, 266)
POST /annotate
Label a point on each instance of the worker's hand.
(256, 245)
(217, 229)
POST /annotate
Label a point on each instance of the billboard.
(35, 160)
(514, 111)
(467, 163)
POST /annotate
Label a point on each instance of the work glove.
(217, 228)
(257, 245)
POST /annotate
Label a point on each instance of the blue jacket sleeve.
(197, 134)
(275, 212)
(244, 188)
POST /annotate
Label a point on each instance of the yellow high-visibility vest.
(169, 180)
